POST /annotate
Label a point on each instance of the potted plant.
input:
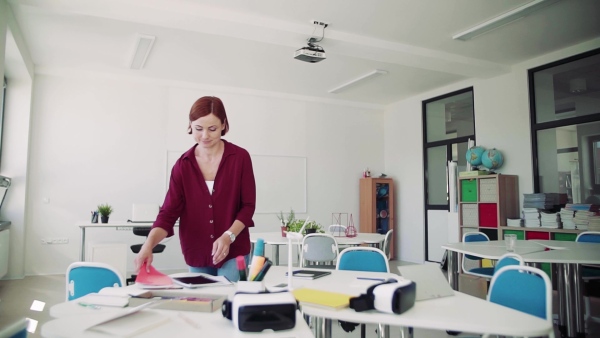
(104, 210)
(313, 227)
(286, 221)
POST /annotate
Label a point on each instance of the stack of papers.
(566, 217)
(544, 201)
(531, 217)
(517, 222)
(594, 222)
(550, 220)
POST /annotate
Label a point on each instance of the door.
(448, 123)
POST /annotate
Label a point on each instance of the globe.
(492, 159)
(474, 155)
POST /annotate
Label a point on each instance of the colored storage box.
(469, 215)
(468, 190)
(537, 235)
(520, 234)
(488, 190)
(565, 237)
(488, 215)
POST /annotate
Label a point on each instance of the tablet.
(199, 280)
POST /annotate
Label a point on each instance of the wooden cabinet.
(485, 202)
(377, 207)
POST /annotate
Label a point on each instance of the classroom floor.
(33, 296)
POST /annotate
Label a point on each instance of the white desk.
(275, 239)
(565, 254)
(211, 324)
(460, 312)
(117, 224)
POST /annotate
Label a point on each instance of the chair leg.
(363, 331)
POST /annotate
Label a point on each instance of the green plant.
(105, 209)
(297, 224)
(286, 219)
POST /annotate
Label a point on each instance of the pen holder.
(250, 287)
(94, 217)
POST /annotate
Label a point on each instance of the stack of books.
(550, 220)
(594, 222)
(566, 218)
(545, 201)
(511, 222)
(531, 217)
(583, 213)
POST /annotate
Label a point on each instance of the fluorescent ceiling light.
(503, 19)
(141, 49)
(369, 75)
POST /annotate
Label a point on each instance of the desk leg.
(562, 317)
(322, 328)
(453, 269)
(570, 300)
(82, 246)
(384, 331)
(276, 254)
(406, 332)
(579, 311)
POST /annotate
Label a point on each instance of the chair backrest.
(523, 288)
(17, 329)
(588, 237)
(360, 258)
(141, 231)
(83, 278)
(469, 261)
(318, 248)
(510, 258)
(387, 244)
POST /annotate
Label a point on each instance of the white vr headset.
(255, 312)
(390, 296)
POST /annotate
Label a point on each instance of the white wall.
(103, 140)
(501, 121)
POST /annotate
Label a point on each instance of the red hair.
(209, 105)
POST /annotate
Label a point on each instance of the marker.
(263, 271)
(241, 264)
(257, 264)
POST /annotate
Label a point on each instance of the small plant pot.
(104, 219)
(310, 231)
(283, 231)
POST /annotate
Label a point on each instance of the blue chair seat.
(483, 271)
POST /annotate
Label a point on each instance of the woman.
(213, 194)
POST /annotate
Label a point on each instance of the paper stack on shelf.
(582, 219)
(514, 222)
(550, 220)
(545, 201)
(594, 222)
(566, 217)
(531, 217)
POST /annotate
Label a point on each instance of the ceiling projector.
(311, 53)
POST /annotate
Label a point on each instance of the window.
(565, 127)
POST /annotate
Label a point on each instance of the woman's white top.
(210, 185)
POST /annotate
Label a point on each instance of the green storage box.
(520, 233)
(468, 190)
(564, 237)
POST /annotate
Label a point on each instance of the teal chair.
(589, 272)
(360, 258)
(89, 277)
(523, 288)
(17, 329)
(510, 258)
(469, 260)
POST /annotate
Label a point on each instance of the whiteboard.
(280, 182)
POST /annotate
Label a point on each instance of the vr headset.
(391, 296)
(255, 312)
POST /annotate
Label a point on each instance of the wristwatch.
(231, 235)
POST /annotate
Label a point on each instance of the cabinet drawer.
(488, 190)
(520, 233)
(537, 235)
(488, 215)
(565, 237)
(469, 214)
(468, 190)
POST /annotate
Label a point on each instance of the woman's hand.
(144, 256)
(220, 248)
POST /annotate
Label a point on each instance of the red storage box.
(488, 215)
(537, 235)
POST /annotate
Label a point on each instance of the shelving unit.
(377, 207)
(485, 202)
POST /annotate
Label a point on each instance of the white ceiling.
(249, 44)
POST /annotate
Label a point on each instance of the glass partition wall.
(565, 127)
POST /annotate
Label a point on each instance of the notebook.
(309, 274)
(323, 299)
(431, 282)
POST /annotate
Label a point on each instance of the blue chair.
(17, 329)
(321, 250)
(89, 277)
(471, 260)
(523, 288)
(361, 258)
(510, 258)
(589, 272)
